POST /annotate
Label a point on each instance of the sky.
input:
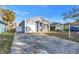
(52, 13)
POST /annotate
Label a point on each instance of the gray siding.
(2, 27)
(22, 24)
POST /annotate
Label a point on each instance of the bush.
(52, 28)
(65, 28)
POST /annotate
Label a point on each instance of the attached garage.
(31, 28)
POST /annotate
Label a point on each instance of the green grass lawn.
(64, 35)
(6, 42)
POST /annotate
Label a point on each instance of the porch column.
(49, 26)
(25, 26)
(43, 27)
(38, 26)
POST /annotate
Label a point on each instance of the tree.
(8, 17)
(71, 14)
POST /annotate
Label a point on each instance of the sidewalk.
(18, 45)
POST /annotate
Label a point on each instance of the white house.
(59, 27)
(36, 24)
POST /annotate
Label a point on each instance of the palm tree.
(71, 14)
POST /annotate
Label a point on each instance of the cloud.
(23, 12)
(18, 12)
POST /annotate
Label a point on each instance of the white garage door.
(30, 28)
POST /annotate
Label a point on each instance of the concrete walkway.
(42, 44)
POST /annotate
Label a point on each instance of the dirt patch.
(65, 35)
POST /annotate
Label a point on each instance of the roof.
(55, 23)
(21, 23)
(76, 23)
(35, 19)
(40, 18)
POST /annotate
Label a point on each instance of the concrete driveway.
(42, 44)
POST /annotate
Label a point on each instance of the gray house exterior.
(2, 27)
(36, 24)
(22, 26)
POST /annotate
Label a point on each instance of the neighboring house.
(2, 24)
(73, 26)
(76, 23)
(18, 27)
(2, 27)
(56, 26)
(59, 27)
(36, 24)
(65, 27)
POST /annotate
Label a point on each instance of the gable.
(29, 21)
(41, 19)
(36, 19)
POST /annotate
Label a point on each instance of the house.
(74, 26)
(59, 27)
(2, 24)
(2, 27)
(56, 26)
(36, 24)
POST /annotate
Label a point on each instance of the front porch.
(42, 26)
